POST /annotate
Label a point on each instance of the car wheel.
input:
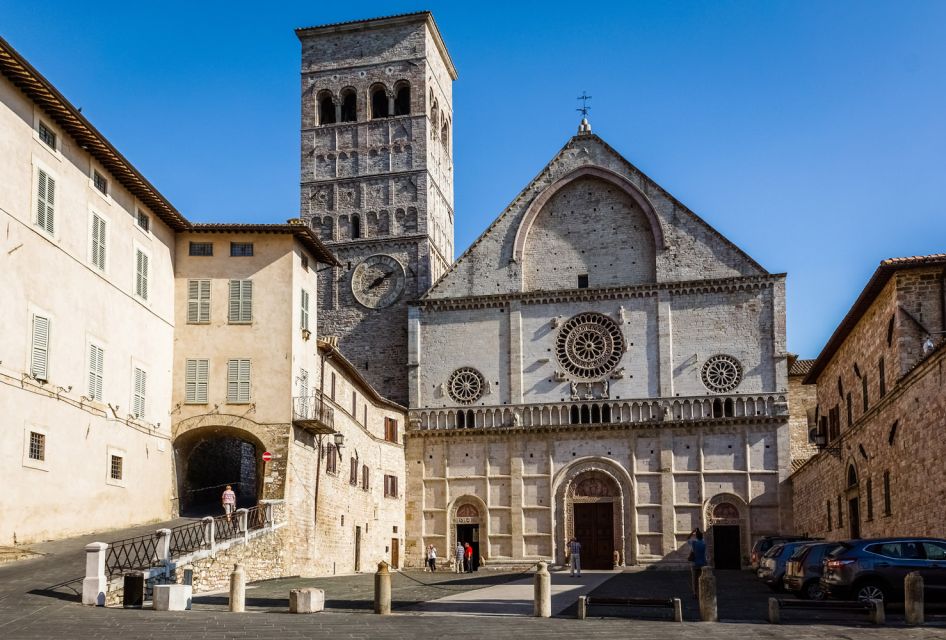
(871, 590)
(813, 591)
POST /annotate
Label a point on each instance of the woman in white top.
(432, 558)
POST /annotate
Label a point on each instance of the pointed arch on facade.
(601, 173)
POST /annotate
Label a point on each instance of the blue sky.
(812, 134)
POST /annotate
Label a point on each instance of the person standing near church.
(228, 500)
(432, 558)
(459, 557)
(697, 559)
(468, 557)
(574, 552)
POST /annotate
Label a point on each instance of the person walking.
(427, 558)
(468, 557)
(574, 554)
(697, 559)
(459, 557)
(432, 558)
(228, 500)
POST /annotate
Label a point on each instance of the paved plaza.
(39, 599)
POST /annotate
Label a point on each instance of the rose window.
(722, 373)
(589, 345)
(466, 385)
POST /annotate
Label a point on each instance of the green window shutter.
(138, 401)
(39, 360)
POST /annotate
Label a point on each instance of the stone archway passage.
(593, 504)
(210, 463)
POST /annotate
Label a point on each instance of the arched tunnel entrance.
(208, 460)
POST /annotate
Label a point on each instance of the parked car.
(875, 569)
(765, 543)
(804, 568)
(772, 568)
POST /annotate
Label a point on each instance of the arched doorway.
(726, 536)
(208, 460)
(594, 501)
(470, 524)
(853, 495)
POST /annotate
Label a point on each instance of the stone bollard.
(238, 589)
(95, 584)
(582, 607)
(382, 590)
(878, 614)
(708, 595)
(677, 610)
(775, 612)
(542, 605)
(913, 598)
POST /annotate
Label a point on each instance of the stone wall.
(801, 399)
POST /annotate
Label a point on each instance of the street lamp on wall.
(339, 439)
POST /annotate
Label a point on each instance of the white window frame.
(109, 183)
(115, 451)
(244, 308)
(89, 372)
(199, 304)
(236, 394)
(41, 465)
(94, 213)
(148, 275)
(141, 211)
(39, 166)
(135, 368)
(33, 313)
(197, 381)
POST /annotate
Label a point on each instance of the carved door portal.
(594, 529)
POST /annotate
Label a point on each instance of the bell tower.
(377, 180)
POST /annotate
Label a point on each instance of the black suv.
(875, 569)
(765, 543)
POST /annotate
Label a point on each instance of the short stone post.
(542, 607)
(707, 585)
(913, 598)
(95, 584)
(877, 614)
(677, 610)
(242, 518)
(382, 589)
(163, 547)
(238, 589)
(775, 612)
(210, 534)
(582, 607)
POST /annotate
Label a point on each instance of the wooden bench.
(873, 608)
(672, 603)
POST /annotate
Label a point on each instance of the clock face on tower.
(378, 281)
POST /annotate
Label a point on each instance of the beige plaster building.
(881, 402)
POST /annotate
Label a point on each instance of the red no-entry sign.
(267, 456)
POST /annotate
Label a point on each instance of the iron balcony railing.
(313, 412)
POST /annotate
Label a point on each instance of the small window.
(870, 499)
(583, 281)
(355, 227)
(37, 446)
(241, 249)
(99, 182)
(97, 248)
(305, 262)
(390, 429)
(887, 506)
(140, 392)
(365, 483)
(354, 405)
(196, 374)
(331, 459)
(864, 396)
(46, 202)
(390, 486)
(47, 136)
(198, 301)
(115, 467)
(96, 372)
(828, 507)
(201, 249)
(141, 274)
(144, 222)
(353, 472)
(882, 377)
(241, 302)
(333, 386)
(238, 381)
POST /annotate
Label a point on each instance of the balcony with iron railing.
(313, 413)
(603, 411)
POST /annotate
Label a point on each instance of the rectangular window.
(333, 386)
(37, 446)
(353, 472)
(198, 301)
(140, 391)
(47, 135)
(305, 262)
(887, 506)
(354, 405)
(870, 499)
(97, 249)
(241, 249)
(241, 302)
(39, 354)
(883, 378)
(850, 410)
(46, 203)
(864, 392)
(238, 381)
(201, 249)
(196, 374)
(115, 467)
(331, 459)
(583, 281)
(834, 423)
(144, 222)
(364, 478)
(141, 274)
(96, 372)
(305, 310)
(390, 429)
(99, 181)
(827, 504)
(390, 486)
(840, 512)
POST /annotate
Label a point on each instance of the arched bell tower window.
(355, 227)
(349, 105)
(402, 100)
(379, 103)
(445, 135)
(326, 108)
(851, 476)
